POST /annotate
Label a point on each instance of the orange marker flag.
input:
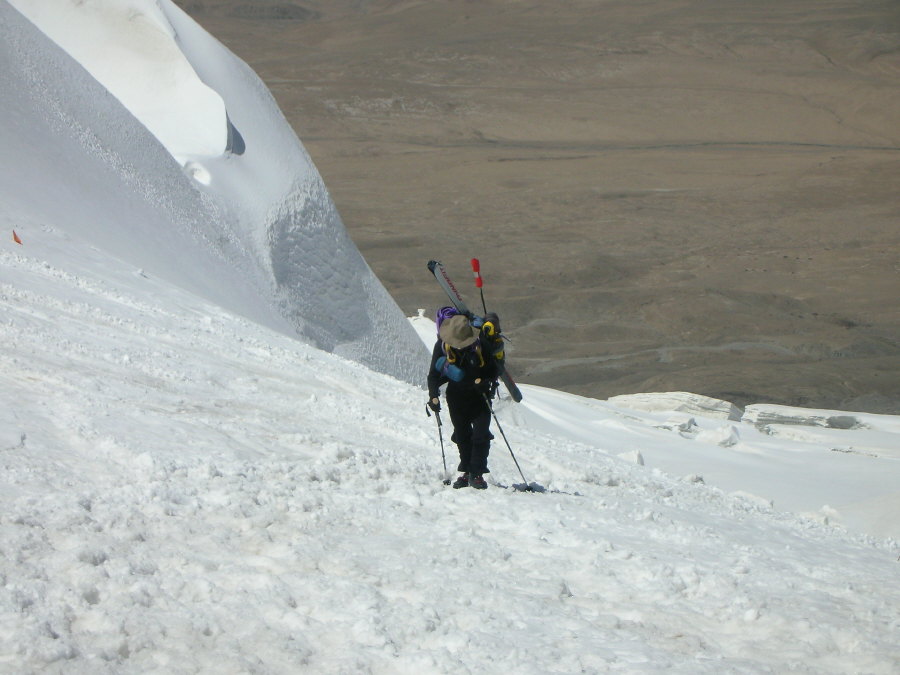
(16, 238)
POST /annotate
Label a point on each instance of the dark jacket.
(476, 364)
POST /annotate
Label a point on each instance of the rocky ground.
(664, 196)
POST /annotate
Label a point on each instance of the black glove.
(488, 387)
(435, 404)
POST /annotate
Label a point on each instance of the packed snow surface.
(184, 490)
(186, 487)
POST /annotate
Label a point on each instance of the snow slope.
(185, 487)
(186, 491)
(129, 47)
(251, 229)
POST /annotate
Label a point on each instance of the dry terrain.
(665, 195)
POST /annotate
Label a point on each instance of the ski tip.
(432, 264)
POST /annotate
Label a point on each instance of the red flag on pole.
(16, 238)
(476, 269)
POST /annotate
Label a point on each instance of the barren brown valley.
(665, 195)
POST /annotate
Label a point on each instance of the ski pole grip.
(476, 268)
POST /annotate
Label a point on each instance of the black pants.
(471, 418)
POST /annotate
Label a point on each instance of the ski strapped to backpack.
(488, 325)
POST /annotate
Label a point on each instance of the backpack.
(492, 338)
(489, 324)
(490, 341)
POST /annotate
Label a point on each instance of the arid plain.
(665, 195)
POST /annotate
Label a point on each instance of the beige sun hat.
(457, 332)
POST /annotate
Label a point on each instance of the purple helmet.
(444, 313)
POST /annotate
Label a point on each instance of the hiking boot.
(461, 482)
(477, 481)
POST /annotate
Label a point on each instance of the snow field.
(186, 491)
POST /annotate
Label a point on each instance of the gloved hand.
(488, 387)
(435, 404)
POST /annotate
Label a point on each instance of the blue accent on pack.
(448, 370)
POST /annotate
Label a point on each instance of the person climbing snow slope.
(465, 361)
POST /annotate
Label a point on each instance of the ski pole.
(437, 417)
(487, 402)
